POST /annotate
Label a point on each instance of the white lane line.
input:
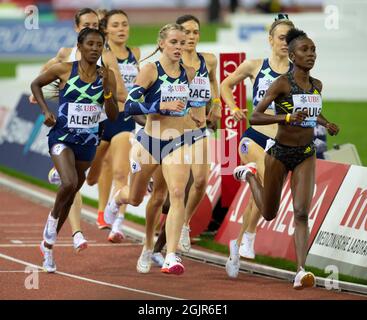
(39, 241)
(36, 238)
(15, 271)
(37, 244)
(21, 231)
(27, 225)
(107, 284)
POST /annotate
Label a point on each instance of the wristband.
(236, 109)
(216, 100)
(287, 118)
(107, 96)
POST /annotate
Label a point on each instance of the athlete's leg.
(74, 214)
(105, 180)
(80, 168)
(154, 206)
(200, 171)
(246, 218)
(161, 241)
(95, 168)
(176, 174)
(302, 186)
(143, 166)
(101, 172)
(120, 150)
(267, 198)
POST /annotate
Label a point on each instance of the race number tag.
(129, 73)
(83, 115)
(263, 87)
(173, 92)
(199, 91)
(312, 104)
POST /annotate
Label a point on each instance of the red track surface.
(107, 271)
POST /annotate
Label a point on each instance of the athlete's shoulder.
(250, 68)
(61, 68)
(210, 58)
(136, 53)
(281, 84)
(149, 70)
(317, 84)
(149, 66)
(63, 54)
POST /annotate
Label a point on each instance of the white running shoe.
(303, 280)
(172, 265)
(111, 211)
(247, 245)
(240, 172)
(185, 242)
(49, 232)
(54, 177)
(116, 235)
(145, 261)
(79, 242)
(48, 260)
(158, 259)
(233, 261)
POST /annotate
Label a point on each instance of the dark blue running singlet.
(80, 107)
(166, 88)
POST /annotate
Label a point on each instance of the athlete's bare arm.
(246, 69)
(58, 71)
(110, 61)
(215, 112)
(109, 86)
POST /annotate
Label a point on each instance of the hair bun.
(281, 16)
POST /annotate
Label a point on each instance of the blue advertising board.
(18, 41)
(23, 142)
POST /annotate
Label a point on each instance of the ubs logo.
(303, 99)
(170, 89)
(79, 108)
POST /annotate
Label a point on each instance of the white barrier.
(342, 237)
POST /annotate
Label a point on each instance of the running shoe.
(100, 221)
(172, 265)
(48, 260)
(233, 261)
(79, 242)
(116, 235)
(49, 232)
(54, 177)
(240, 172)
(247, 245)
(303, 280)
(158, 259)
(144, 262)
(185, 242)
(111, 211)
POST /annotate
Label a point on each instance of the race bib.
(199, 91)
(83, 115)
(173, 92)
(129, 73)
(262, 88)
(312, 104)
